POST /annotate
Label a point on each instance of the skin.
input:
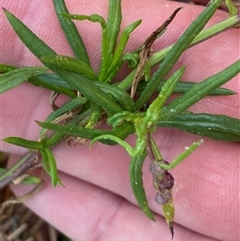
(97, 202)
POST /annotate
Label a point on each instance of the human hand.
(97, 203)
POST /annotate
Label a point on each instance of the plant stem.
(27, 162)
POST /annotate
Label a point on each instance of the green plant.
(95, 97)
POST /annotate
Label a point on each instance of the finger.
(205, 184)
(84, 210)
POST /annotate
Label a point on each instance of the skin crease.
(97, 202)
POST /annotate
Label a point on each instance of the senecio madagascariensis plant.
(125, 106)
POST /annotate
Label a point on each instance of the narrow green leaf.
(154, 110)
(231, 8)
(89, 89)
(71, 32)
(30, 180)
(4, 68)
(69, 106)
(182, 87)
(113, 24)
(218, 127)
(72, 130)
(50, 166)
(116, 139)
(31, 41)
(95, 115)
(123, 41)
(182, 156)
(135, 172)
(71, 64)
(34, 145)
(200, 90)
(119, 95)
(119, 118)
(54, 83)
(216, 135)
(54, 80)
(110, 34)
(155, 150)
(179, 47)
(95, 18)
(48, 81)
(117, 58)
(15, 77)
(132, 60)
(57, 137)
